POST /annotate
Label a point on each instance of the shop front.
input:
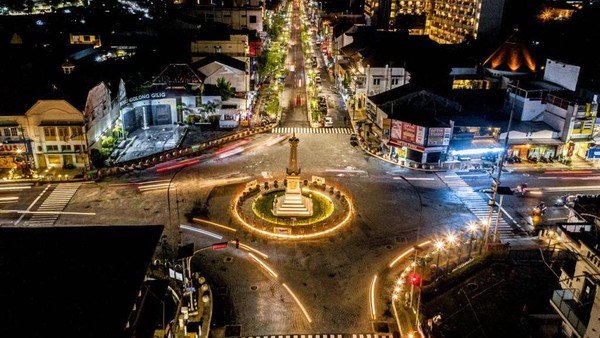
(15, 158)
(405, 151)
(536, 149)
(410, 142)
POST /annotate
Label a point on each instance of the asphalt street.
(319, 286)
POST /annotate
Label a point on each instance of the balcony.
(571, 311)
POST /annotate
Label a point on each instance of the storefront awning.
(536, 141)
(63, 123)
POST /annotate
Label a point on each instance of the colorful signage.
(13, 148)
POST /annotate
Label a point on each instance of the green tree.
(225, 90)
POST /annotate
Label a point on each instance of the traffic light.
(415, 279)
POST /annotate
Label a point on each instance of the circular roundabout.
(255, 208)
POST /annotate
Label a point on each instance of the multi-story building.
(551, 118)
(385, 14)
(237, 17)
(409, 129)
(453, 21)
(446, 21)
(577, 301)
(235, 45)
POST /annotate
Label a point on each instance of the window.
(11, 131)
(67, 148)
(76, 133)
(79, 148)
(252, 19)
(376, 81)
(395, 81)
(63, 133)
(50, 148)
(50, 133)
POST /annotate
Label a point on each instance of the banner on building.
(396, 132)
(438, 137)
(386, 126)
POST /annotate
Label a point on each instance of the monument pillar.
(292, 203)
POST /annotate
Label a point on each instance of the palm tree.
(225, 89)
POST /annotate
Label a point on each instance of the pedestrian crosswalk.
(53, 205)
(338, 335)
(300, 130)
(478, 205)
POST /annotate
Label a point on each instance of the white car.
(328, 122)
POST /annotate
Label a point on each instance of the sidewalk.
(357, 116)
(193, 320)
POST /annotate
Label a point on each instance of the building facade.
(453, 21)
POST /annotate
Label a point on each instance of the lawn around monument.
(263, 205)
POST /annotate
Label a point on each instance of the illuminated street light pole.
(472, 229)
(496, 183)
(439, 245)
(450, 239)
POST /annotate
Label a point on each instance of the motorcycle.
(540, 209)
(521, 190)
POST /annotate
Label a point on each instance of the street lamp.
(472, 229)
(451, 240)
(439, 246)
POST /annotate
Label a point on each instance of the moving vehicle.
(328, 122)
(521, 190)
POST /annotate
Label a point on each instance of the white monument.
(292, 203)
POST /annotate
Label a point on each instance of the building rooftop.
(75, 281)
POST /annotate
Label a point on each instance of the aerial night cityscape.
(299, 168)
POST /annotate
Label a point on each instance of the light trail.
(577, 172)
(415, 178)
(247, 248)
(407, 252)
(47, 212)
(578, 188)
(263, 265)
(15, 187)
(352, 171)
(178, 165)
(137, 184)
(198, 220)
(298, 302)
(372, 298)
(9, 199)
(207, 233)
(153, 187)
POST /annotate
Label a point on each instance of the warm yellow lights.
(263, 265)
(251, 227)
(407, 252)
(298, 302)
(198, 220)
(373, 314)
(247, 248)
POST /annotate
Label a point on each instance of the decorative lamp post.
(451, 240)
(439, 246)
(472, 229)
(484, 226)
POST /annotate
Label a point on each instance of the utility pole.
(496, 183)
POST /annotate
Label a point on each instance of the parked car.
(328, 122)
